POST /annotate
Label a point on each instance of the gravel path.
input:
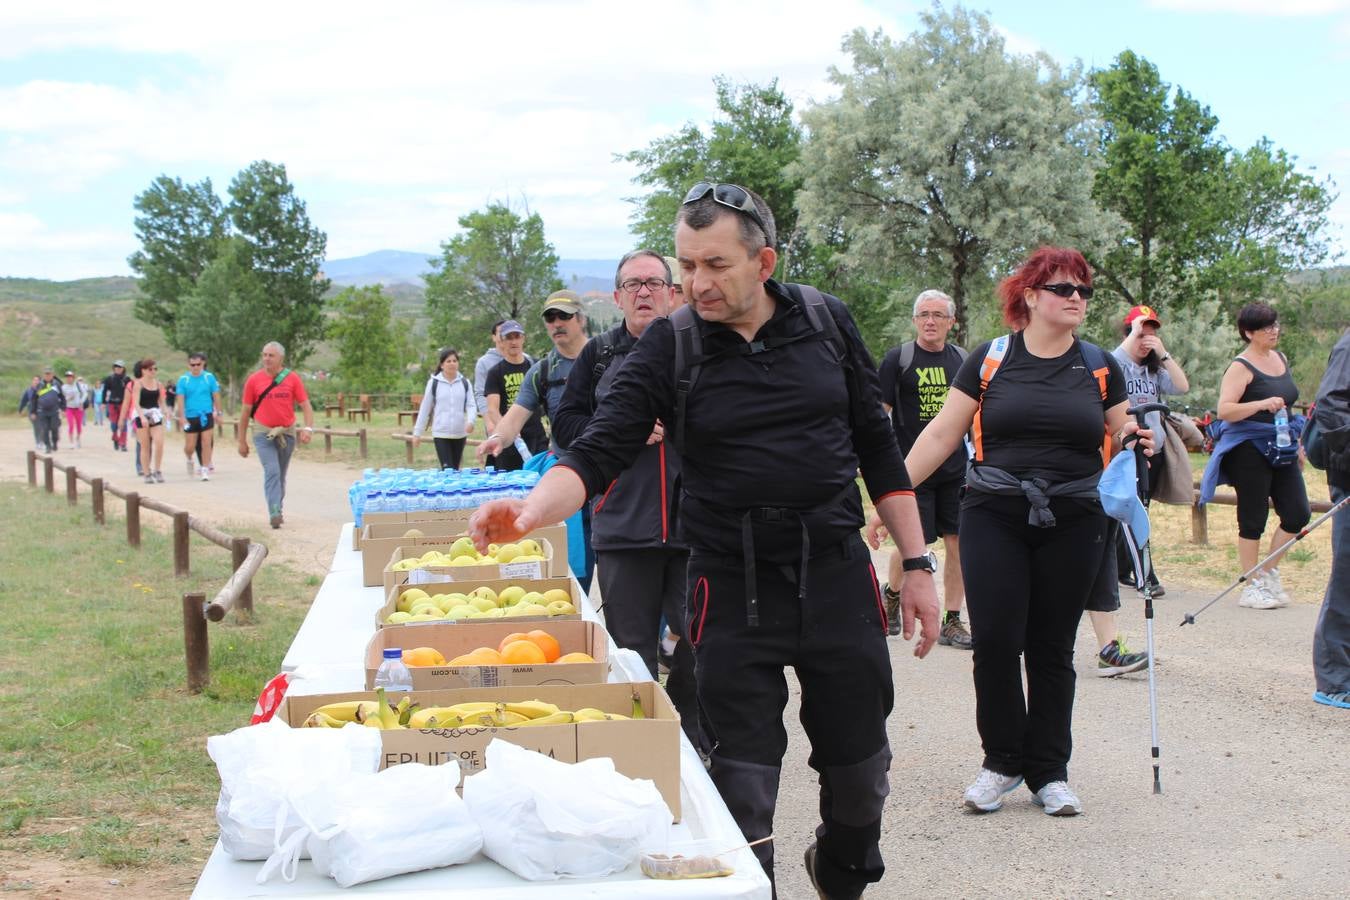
(1256, 790)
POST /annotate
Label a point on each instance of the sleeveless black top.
(1265, 386)
(148, 399)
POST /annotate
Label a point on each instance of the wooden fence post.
(1199, 524)
(97, 487)
(48, 474)
(327, 443)
(182, 545)
(32, 468)
(364, 452)
(72, 486)
(133, 518)
(195, 642)
(239, 551)
(408, 451)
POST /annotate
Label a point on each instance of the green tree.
(754, 142)
(286, 252)
(227, 315)
(363, 330)
(500, 266)
(945, 158)
(180, 226)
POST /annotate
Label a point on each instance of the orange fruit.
(486, 656)
(575, 658)
(547, 642)
(512, 638)
(523, 653)
(465, 659)
(423, 656)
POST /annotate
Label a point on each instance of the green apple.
(484, 591)
(494, 613)
(533, 609)
(397, 618)
(409, 597)
(429, 557)
(533, 597)
(561, 608)
(413, 533)
(461, 612)
(464, 561)
(507, 552)
(424, 617)
(482, 604)
(553, 594)
(530, 547)
(515, 612)
(461, 544)
(511, 595)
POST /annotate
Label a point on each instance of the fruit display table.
(326, 657)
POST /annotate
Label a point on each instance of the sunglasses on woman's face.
(1065, 289)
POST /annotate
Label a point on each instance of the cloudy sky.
(394, 123)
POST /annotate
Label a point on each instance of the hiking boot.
(1116, 659)
(1254, 596)
(989, 789)
(1270, 583)
(954, 634)
(1339, 698)
(275, 521)
(1058, 799)
(810, 860)
(892, 609)
(1158, 590)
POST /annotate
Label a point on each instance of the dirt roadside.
(1254, 773)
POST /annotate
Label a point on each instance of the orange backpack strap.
(993, 358)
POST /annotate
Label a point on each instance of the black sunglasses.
(554, 315)
(1065, 289)
(732, 196)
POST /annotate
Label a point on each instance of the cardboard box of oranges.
(495, 652)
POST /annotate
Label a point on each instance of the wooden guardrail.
(246, 556)
(328, 435)
(1200, 520)
(407, 439)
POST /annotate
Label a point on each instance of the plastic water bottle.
(1282, 428)
(393, 675)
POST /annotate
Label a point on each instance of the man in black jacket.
(48, 405)
(114, 393)
(640, 560)
(774, 408)
(1331, 638)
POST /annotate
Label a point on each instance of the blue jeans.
(1331, 637)
(275, 460)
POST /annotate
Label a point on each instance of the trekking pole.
(1189, 618)
(1143, 564)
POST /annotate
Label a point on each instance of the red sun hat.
(1147, 313)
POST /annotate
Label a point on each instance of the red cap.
(1142, 312)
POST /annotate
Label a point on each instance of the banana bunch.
(378, 713)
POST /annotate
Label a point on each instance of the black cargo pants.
(834, 637)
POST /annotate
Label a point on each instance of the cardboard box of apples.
(542, 554)
(455, 601)
(495, 652)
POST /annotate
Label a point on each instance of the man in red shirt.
(270, 397)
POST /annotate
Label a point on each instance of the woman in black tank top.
(150, 414)
(1256, 386)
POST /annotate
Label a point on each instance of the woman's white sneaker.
(1270, 583)
(989, 789)
(1254, 596)
(1058, 799)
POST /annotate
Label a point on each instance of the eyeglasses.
(1272, 327)
(1065, 289)
(633, 285)
(732, 196)
(554, 315)
(195, 365)
(936, 316)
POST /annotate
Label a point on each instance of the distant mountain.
(391, 267)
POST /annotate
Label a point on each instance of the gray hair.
(278, 346)
(634, 254)
(703, 212)
(935, 295)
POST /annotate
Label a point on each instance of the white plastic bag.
(259, 763)
(404, 819)
(543, 819)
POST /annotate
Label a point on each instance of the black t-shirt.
(504, 380)
(923, 390)
(1042, 417)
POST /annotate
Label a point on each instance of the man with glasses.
(640, 560)
(914, 381)
(197, 406)
(774, 406)
(539, 394)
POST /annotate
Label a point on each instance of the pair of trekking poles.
(1143, 564)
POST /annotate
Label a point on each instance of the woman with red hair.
(1039, 404)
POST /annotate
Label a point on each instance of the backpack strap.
(906, 360)
(993, 358)
(431, 410)
(688, 362)
(604, 357)
(1094, 358)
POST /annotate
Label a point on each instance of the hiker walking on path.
(915, 378)
(448, 405)
(45, 411)
(773, 402)
(197, 406)
(271, 395)
(114, 395)
(1331, 638)
(28, 403)
(75, 393)
(1039, 403)
(1250, 455)
(147, 404)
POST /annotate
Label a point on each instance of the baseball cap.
(47, 370)
(510, 326)
(674, 270)
(1118, 490)
(1146, 313)
(119, 364)
(563, 301)
(68, 372)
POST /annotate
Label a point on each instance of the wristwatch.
(925, 563)
(1165, 357)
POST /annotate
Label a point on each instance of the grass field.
(102, 750)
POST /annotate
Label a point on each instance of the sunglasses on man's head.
(555, 315)
(732, 196)
(1065, 289)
